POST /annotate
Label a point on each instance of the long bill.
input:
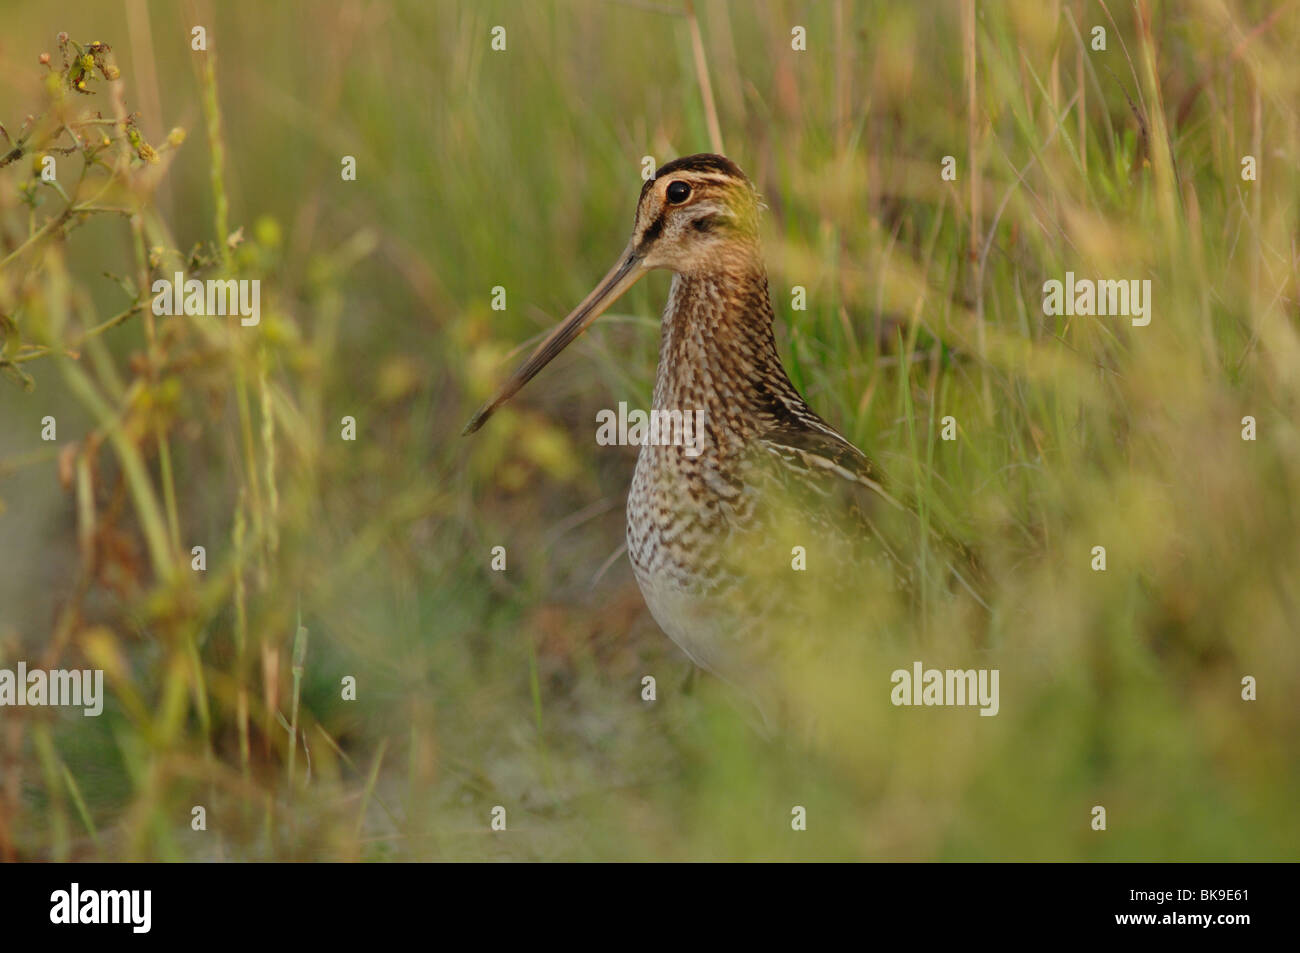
(621, 277)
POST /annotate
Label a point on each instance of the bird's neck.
(717, 351)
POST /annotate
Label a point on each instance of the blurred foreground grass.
(520, 169)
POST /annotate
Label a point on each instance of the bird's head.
(698, 214)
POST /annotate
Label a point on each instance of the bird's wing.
(816, 462)
(822, 459)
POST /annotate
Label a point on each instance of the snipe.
(711, 535)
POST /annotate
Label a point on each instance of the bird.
(711, 533)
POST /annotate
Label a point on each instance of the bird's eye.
(678, 192)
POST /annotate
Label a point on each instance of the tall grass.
(522, 689)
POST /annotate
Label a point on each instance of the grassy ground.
(369, 558)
